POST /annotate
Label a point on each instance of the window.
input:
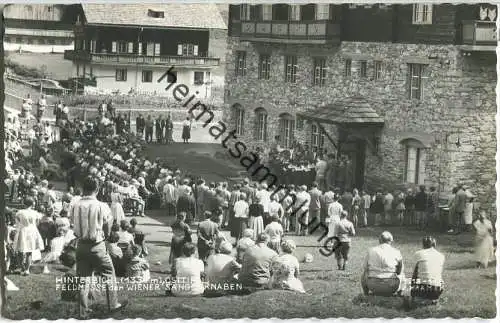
(286, 126)
(319, 71)
(322, 11)
(264, 66)
(415, 76)
(241, 63)
(198, 78)
(147, 76)
(422, 14)
(377, 70)
(347, 69)
(49, 8)
(122, 47)
(172, 77)
(261, 124)
(239, 115)
(244, 12)
(267, 12)
(187, 49)
(19, 40)
(30, 41)
(363, 68)
(121, 75)
(156, 14)
(415, 163)
(291, 69)
(317, 138)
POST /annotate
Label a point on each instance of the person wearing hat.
(383, 272)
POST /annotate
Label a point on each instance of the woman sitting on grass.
(244, 243)
(285, 270)
(188, 271)
(181, 235)
(138, 267)
(115, 253)
(56, 249)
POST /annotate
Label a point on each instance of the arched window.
(261, 124)
(239, 116)
(415, 153)
(286, 127)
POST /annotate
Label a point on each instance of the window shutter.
(322, 11)
(157, 49)
(140, 49)
(113, 47)
(267, 12)
(130, 47)
(294, 12)
(179, 49)
(195, 50)
(93, 46)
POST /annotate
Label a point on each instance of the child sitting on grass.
(138, 267)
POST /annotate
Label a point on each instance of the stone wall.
(217, 48)
(458, 105)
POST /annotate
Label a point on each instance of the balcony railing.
(288, 31)
(479, 33)
(134, 59)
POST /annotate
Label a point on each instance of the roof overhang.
(352, 111)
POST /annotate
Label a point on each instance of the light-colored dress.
(284, 270)
(116, 207)
(188, 279)
(256, 223)
(27, 239)
(56, 249)
(484, 252)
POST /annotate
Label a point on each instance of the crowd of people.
(87, 229)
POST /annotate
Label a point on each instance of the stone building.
(408, 94)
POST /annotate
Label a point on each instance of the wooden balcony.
(479, 35)
(135, 59)
(300, 32)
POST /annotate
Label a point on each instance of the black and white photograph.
(225, 160)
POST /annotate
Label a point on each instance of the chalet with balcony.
(129, 47)
(405, 92)
(42, 28)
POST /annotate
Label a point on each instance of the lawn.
(469, 292)
(54, 65)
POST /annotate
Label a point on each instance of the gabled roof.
(177, 15)
(350, 110)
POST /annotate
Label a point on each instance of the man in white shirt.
(264, 198)
(170, 197)
(388, 199)
(302, 208)
(321, 166)
(383, 272)
(334, 211)
(241, 210)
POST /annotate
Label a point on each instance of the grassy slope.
(331, 293)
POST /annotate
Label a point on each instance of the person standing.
(388, 200)
(460, 206)
(421, 208)
(234, 197)
(186, 130)
(357, 206)
(263, 196)
(315, 205)
(27, 239)
(140, 124)
(484, 251)
(42, 106)
(241, 211)
(149, 129)
(321, 166)
(169, 129)
(158, 130)
(367, 201)
(302, 203)
(334, 211)
(343, 230)
(208, 231)
(91, 221)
